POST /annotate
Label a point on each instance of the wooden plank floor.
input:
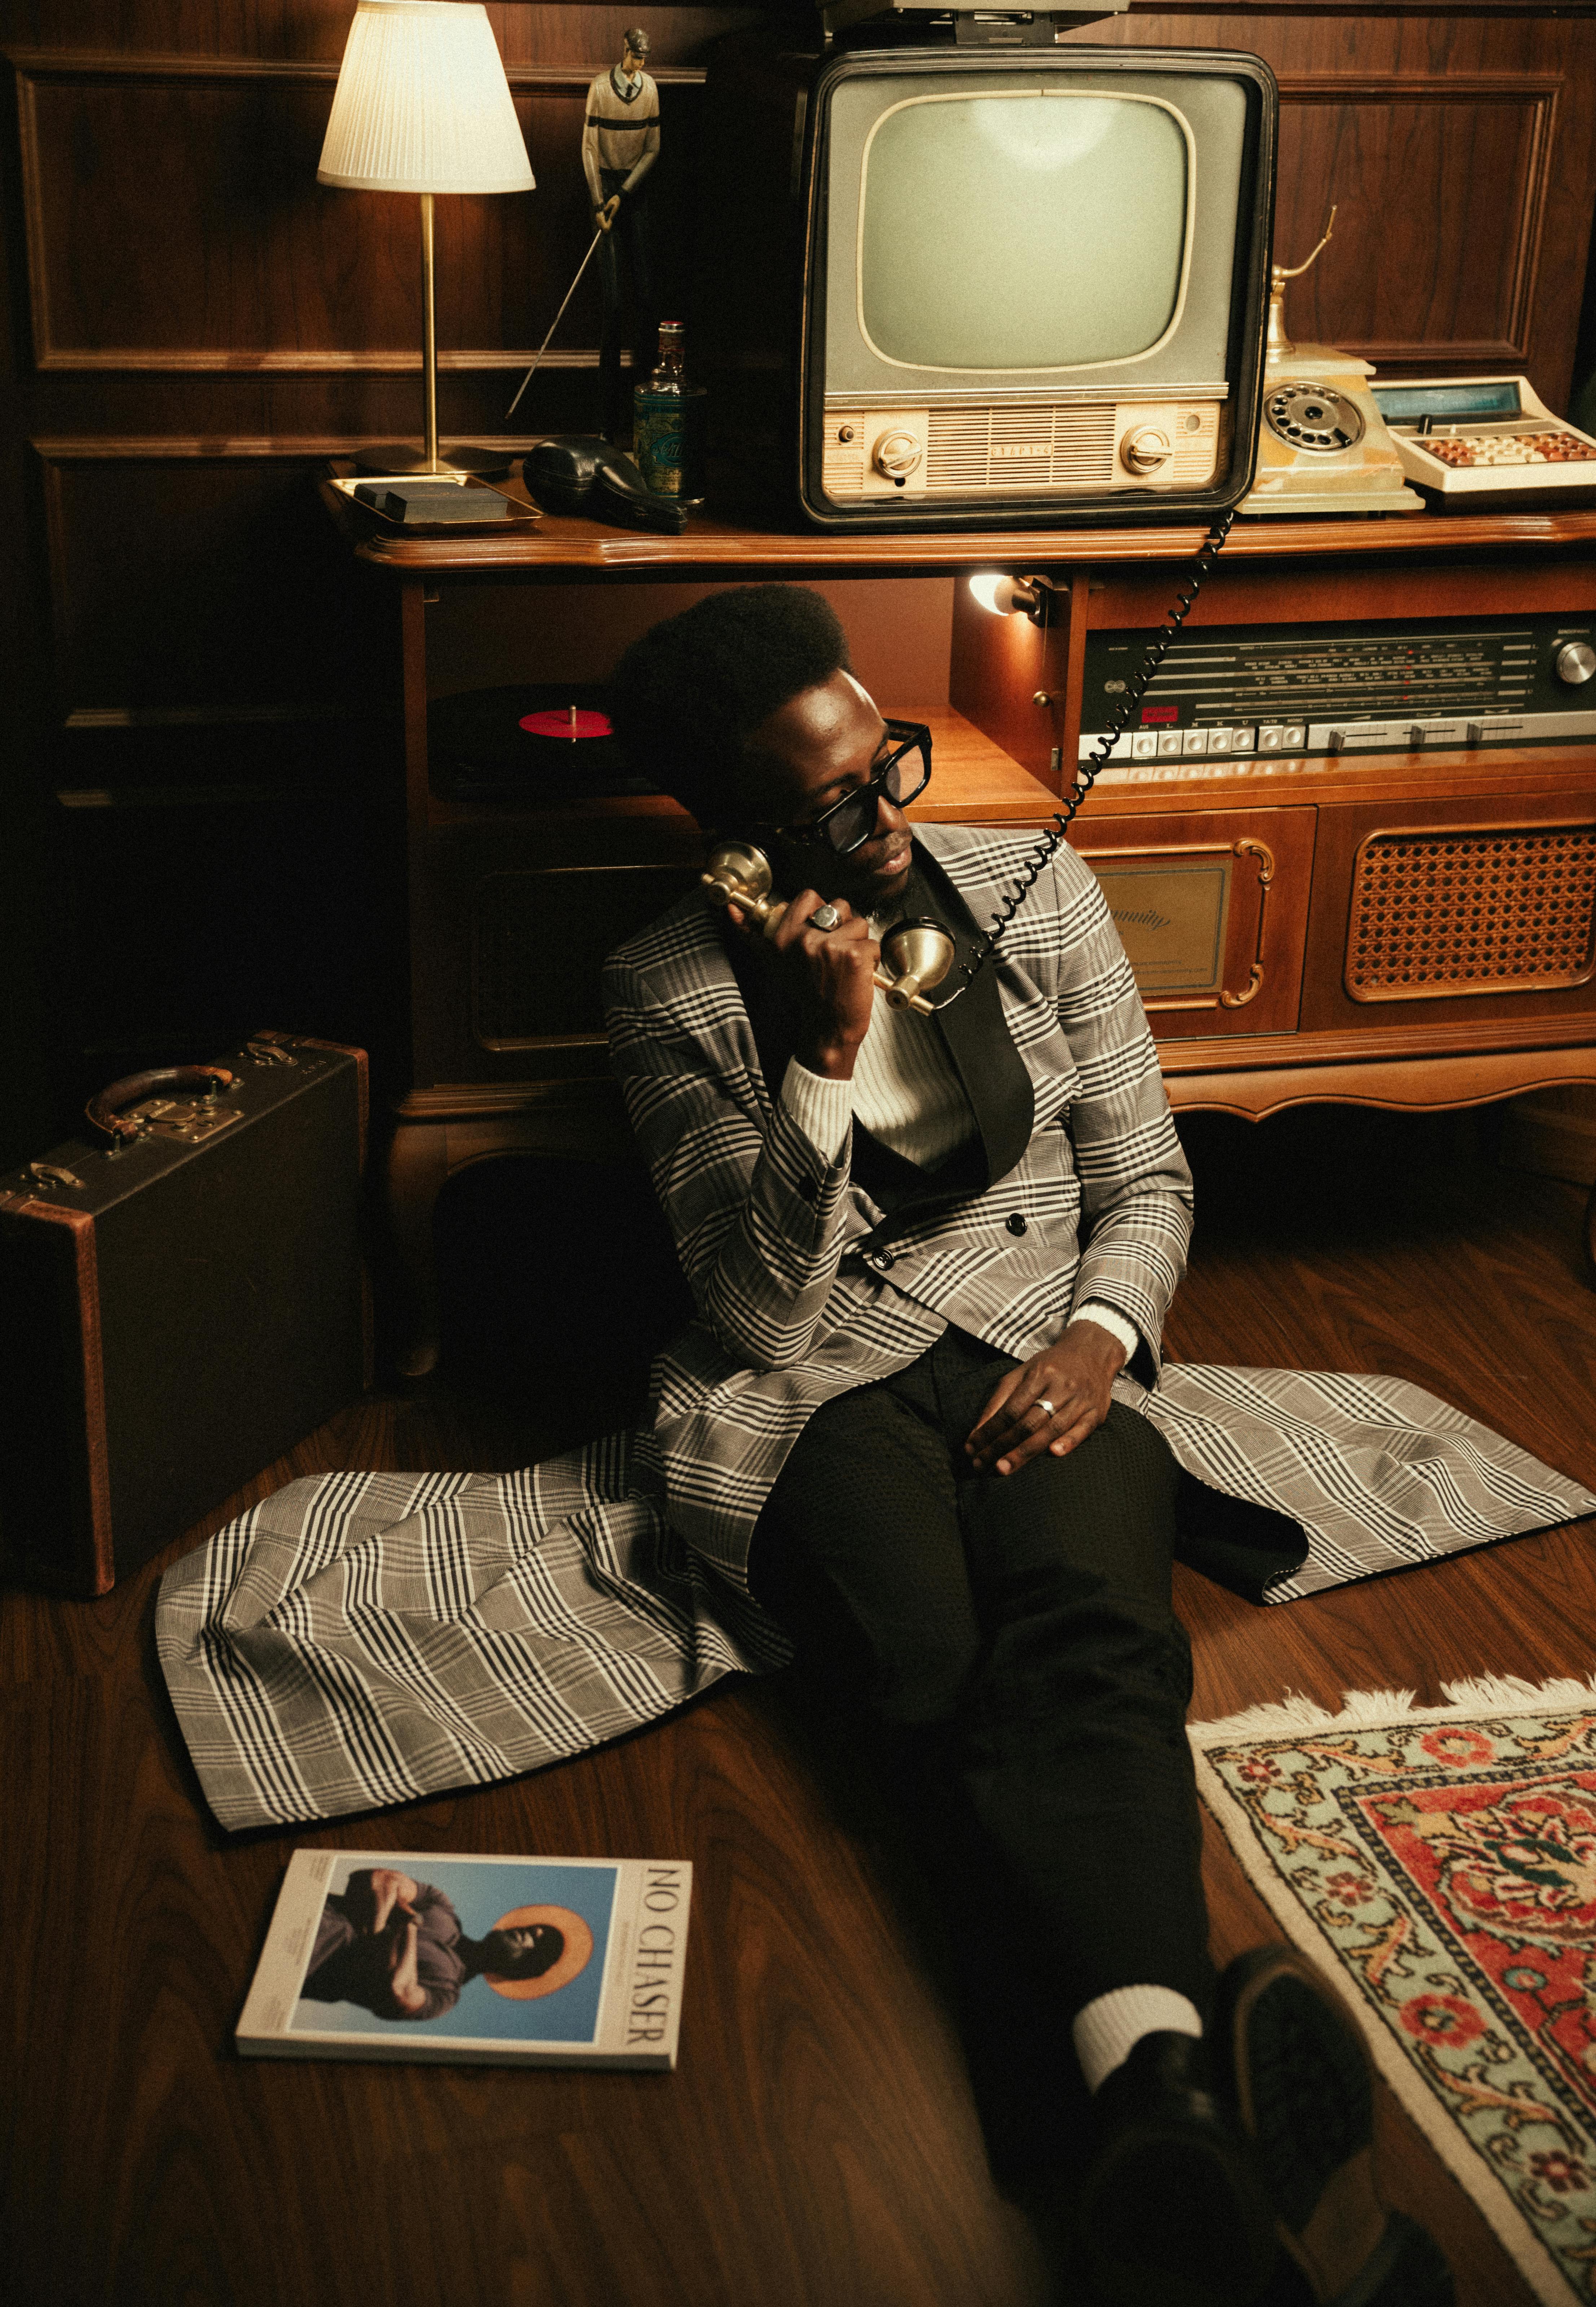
(818, 2145)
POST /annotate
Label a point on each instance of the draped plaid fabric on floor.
(363, 1639)
(1378, 1473)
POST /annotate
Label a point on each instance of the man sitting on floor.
(922, 1250)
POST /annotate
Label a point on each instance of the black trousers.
(627, 239)
(1014, 1636)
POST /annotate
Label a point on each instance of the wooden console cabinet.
(1344, 896)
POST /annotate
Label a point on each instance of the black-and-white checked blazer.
(805, 1284)
(361, 1639)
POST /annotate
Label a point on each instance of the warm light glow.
(1004, 596)
(422, 104)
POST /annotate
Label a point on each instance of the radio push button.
(1194, 740)
(1170, 744)
(1144, 745)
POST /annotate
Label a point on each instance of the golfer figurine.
(620, 145)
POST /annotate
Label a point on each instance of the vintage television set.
(956, 286)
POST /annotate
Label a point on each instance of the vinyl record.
(481, 747)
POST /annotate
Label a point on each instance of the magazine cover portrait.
(489, 1950)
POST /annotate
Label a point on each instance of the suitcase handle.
(101, 1110)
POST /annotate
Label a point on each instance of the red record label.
(574, 723)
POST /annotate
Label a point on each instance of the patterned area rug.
(1441, 1862)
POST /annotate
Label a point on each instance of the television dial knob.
(1145, 449)
(897, 455)
(1574, 663)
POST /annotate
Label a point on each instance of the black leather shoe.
(1294, 2065)
(1171, 2211)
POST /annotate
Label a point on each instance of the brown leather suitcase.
(180, 1302)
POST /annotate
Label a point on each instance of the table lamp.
(423, 106)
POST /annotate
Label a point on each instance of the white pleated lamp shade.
(422, 104)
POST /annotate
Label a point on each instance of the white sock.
(1109, 2029)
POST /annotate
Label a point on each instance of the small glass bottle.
(667, 421)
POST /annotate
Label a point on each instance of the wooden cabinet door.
(1213, 908)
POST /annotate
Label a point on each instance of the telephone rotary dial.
(915, 954)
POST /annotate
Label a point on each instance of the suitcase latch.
(191, 1120)
(47, 1174)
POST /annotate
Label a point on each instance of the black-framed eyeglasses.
(902, 775)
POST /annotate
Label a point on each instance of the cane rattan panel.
(1500, 909)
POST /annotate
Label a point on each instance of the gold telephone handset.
(915, 956)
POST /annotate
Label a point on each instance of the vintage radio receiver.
(1251, 698)
(1481, 441)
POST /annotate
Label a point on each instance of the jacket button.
(807, 1191)
(881, 1259)
(1015, 1221)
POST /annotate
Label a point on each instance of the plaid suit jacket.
(806, 1285)
(360, 1638)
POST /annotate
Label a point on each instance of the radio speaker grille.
(1504, 909)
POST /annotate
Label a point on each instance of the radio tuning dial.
(897, 455)
(1145, 449)
(1574, 663)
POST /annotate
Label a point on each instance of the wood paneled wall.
(195, 325)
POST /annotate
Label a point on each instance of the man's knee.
(1071, 1642)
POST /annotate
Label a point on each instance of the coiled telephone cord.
(1057, 832)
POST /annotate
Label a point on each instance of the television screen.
(1032, 230)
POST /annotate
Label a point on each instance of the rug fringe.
(1367, 1710)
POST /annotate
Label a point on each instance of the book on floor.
(548, 1962)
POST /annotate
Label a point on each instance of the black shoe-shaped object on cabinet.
(1294, 2065)
(579, 472)
(1170, 2212)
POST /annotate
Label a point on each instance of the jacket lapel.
(974, 1028)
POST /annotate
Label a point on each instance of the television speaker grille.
(1001, 447)
(1503, 910)
(1020, 448)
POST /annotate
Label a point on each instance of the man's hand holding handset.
(834, 971)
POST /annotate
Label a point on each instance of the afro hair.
(686, 697)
